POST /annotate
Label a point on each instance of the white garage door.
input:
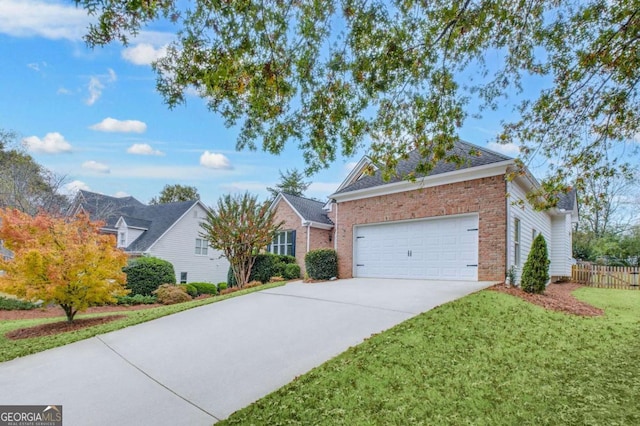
(445, 248)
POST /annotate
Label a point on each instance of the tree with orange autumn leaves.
(60, 260)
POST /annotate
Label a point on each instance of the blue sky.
(95, 117)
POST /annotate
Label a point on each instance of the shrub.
(263, 268)
(145, 274)
(222, 286)
(137, 299)
(169, 294)
(230, 290)
(321, 264)
(231, 279)
(291, 271)
(10, 304)
(276, 279)
(535, 273)
(190, 289)
(205, 288)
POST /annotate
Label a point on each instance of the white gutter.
(335, 231)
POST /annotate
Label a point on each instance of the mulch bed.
(56, 311)
(59, 327)
(557, 297)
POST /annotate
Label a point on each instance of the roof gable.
(160, 218)
(309, 210)
(464, 150)
(103, 207)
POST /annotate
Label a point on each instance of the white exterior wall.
(530, 219)
(131, 233)
(561, 251)
(178, 245)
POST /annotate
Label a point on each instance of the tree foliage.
(176, 193)
(292, 182)
(26, 185)
(240, 226)
(535, 273)
(62, 261)
(334, 74)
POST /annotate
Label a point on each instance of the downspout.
(308, 225)
(507, 228)
(335, 231)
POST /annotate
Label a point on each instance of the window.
(284, 243)
(201, 247)
(516, 242)
(122, 239)
(183, 277)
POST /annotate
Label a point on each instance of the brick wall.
(484, 196)
(319, 238)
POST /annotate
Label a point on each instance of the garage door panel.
(443, 248)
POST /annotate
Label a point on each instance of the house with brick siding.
(306, 226)
(459, 222)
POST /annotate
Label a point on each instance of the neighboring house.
(306, 226)
(167, 231)
(456, 223)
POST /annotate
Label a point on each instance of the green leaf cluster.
(321, 264)
(535, 273)
(146, 274)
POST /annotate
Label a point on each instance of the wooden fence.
(606, 276)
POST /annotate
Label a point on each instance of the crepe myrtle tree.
(240, 226)
(332, 75)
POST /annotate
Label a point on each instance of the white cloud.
(72, 187)
(29, 18)
(37, 66)
(143, 149)
(52, 143)
(242, 186)
(96, 166)
(63, 91)
(212, 160)
(507, 149)
(97, 84)
(143, 53)
(350, 166)
(123, 126)
(120, 194)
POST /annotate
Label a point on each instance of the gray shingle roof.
(567, 201)
(310, 210)
(105, 207)
(137, 222)
(461, 148)
(159, 219)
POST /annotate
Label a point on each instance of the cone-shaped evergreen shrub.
(535, 273)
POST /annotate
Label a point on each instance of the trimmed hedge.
(291, 271)
(137, 299)
(146, 274)
(190, 289)
(9, 304)
(321, 264)
(222, 286)
(266, 266)
(205, 288)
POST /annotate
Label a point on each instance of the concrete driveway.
(199, 366)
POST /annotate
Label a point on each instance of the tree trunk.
(69, 311)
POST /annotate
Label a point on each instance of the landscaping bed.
(557, 297)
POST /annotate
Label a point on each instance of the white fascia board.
(275, 201)
(357, 170)
(455, 176)
(119, 222)
(319, 225)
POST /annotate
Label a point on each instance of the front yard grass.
(487, 359)
(10, 349)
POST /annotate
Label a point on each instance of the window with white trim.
(183, 277)
(284, 243)
(516, 242)
(122, 239)
(202, 247)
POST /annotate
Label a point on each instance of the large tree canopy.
(292, 182)
(176, 193)
(401, 75)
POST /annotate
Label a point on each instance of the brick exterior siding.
(319, 238)
(485, 196)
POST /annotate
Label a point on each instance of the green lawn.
(487, 359)
(10, 349)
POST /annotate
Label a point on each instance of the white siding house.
(524, 223)
(168, 231)
(192, 258)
